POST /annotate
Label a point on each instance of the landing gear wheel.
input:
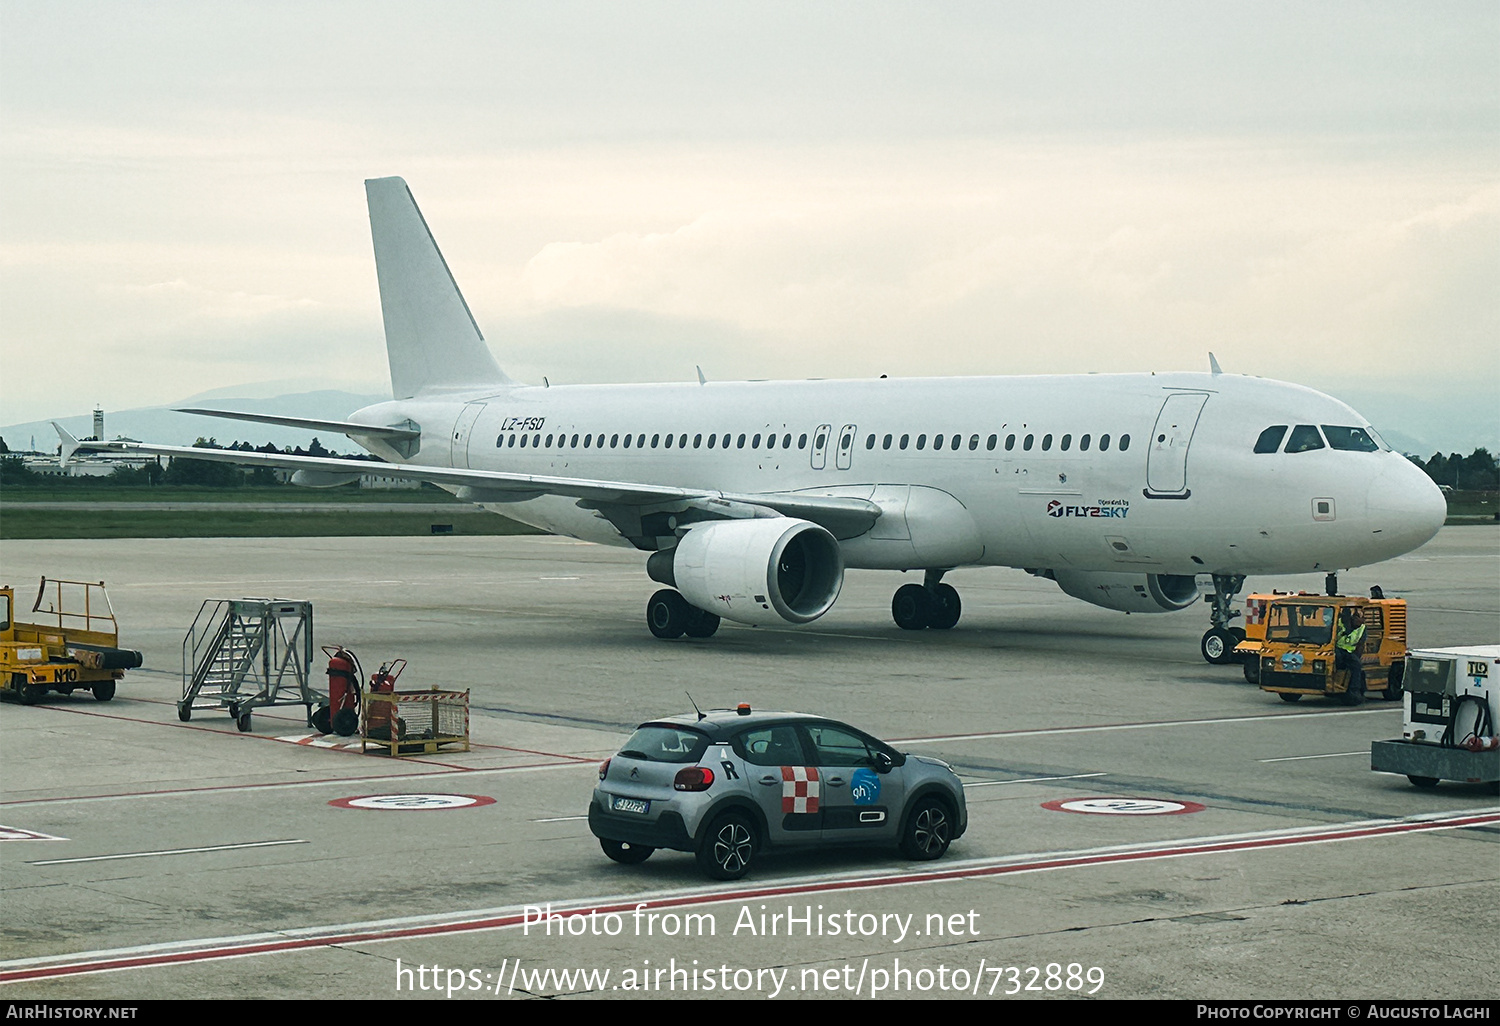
(243, 722)
(946, 608)
(624, 853)
(928, 831)
(700, 623)
(1287, 697)
(1393, 688)
(104, 691)
(322, 720)
(1426, 783)
(1217, 646)
(728, 847)
(666, 614)
(911, 607)
(184, 711)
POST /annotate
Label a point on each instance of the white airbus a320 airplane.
(753, 498)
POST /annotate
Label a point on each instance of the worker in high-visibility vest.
(1348, 644)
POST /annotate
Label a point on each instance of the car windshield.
(657, 742)
(1300, 623)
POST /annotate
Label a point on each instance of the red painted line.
(744, 894)
(285, 783)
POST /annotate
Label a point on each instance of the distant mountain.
(161, 424)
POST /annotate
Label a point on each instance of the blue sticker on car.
(865, 786)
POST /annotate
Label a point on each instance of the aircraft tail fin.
(431, 338)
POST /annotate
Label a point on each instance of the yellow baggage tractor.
(1297, 655)
(69, 642)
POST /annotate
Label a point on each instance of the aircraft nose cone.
(1405, 506)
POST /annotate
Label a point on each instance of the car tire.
(1288, 697)
(728, 847)
(1426, 783)
(1251, 668)
(928, 830)
(1393, 688)
(625, 853)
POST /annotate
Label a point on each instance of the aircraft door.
(846, 446)
(1166, 461)
(820, 446)
(463, 427)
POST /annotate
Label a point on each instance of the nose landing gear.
(1220, 639)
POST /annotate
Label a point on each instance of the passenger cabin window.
(1046, 442)
(1349, 439)
(1083, 444)
(1124, 442)
(1010, 442)
(921, 441)
(1067, 442)
(904, 440)
(937, 443)
(990, 445)
(1304, 438)
(1270, 438)
(1027, 444)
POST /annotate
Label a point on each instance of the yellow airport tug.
(1297, 656)
(70, 643)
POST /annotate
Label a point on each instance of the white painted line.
(169, 851)
(1108, 727)
(561, 819)
(148, 956)
(1332, 755)
(1034, 780)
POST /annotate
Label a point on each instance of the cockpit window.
(1350, 439)
(1304, 438)
(1270, 438)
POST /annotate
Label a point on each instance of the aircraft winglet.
(69, 443)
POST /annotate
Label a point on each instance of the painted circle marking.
(413, 802)
(1123, 806)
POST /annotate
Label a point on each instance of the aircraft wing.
(845, 517)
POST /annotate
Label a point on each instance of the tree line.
(180, 470)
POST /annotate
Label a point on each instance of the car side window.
(837, 746)
(774, 745)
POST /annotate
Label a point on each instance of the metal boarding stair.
(245, 654)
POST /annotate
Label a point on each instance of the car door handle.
(768, 779)
(836, 781)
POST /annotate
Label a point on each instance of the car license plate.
(639, 805)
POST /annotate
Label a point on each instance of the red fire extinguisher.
(341, 714)
(382, 723)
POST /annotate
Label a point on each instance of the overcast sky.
(624, 190)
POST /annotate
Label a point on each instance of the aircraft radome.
(751, 499)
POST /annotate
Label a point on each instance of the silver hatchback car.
(728, 784)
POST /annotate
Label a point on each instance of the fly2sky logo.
(1107, 508)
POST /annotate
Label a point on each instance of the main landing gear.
(669, 615)
(929, 604)
(1220, 639)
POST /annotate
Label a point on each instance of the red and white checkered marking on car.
(799, 789)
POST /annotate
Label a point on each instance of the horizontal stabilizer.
(347, 427)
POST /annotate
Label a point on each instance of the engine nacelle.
(761, 571)
(1130, 593)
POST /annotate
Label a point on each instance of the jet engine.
(760, 571)
(1130, 593)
